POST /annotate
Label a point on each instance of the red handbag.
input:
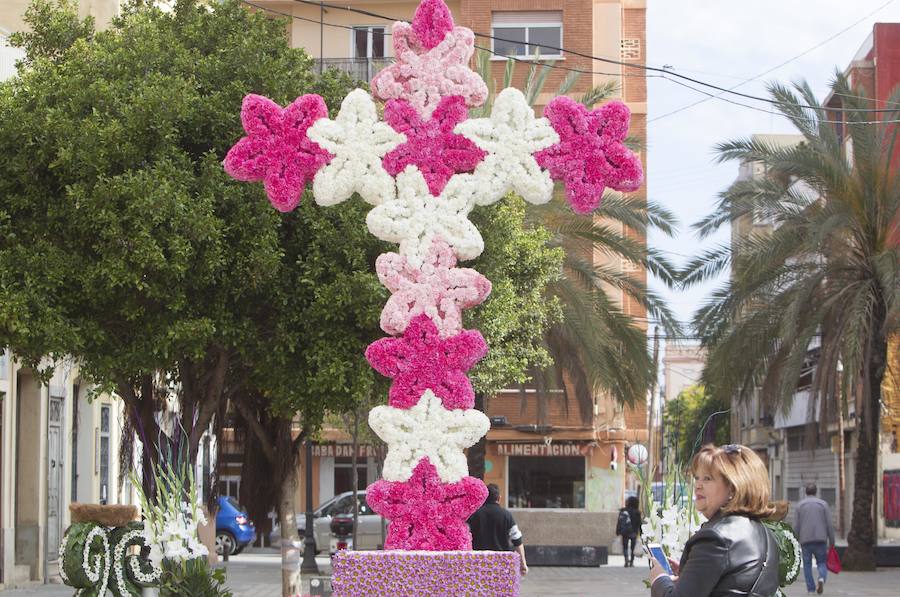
(833, 561)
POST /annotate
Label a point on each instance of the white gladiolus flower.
(416, 217)
(427, 429)
(511, 135)
(358, 142)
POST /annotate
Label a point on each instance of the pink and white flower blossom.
(427, 430)
(425, 513)
(510, 135)
(277, 149)
(438, 289)
(591, 154)
(358, 142)
(421, 360)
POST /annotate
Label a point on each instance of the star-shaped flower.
(438, 289)
(431, 23)
(416, 217)
(276, 149)
(510, 136)
(358, 142)
(421, 360)
(427, 430)
(423, 75)
(590, 155)
(426, 514)
(431, 144)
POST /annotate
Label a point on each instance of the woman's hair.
(745, 474)
(632, 502)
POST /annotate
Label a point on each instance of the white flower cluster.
(119, 560)
(358, 142)
(510, 136)
(416, 217)
(62, 553)
(98, 570)
(172, 535)
(427, 430)
(794, 572)
(670, 525)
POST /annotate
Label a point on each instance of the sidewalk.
(258, 575)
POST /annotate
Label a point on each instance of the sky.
(723, 42)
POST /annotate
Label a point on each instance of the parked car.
(368, 533)
(234, 529)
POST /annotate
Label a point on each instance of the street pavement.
(258, 574)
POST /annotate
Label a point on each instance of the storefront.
(545, 476)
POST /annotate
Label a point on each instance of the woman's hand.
(676, 566)
(656, 570)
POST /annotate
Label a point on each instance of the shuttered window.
(528, 33)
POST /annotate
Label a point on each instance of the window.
(104, 454)
(368, 42)
(829, 494)
(230, 486)
(528, 33)
(793, 494)
(538, 482)
(343, 474)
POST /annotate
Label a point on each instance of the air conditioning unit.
(499, 421)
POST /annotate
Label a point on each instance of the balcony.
(361, 69)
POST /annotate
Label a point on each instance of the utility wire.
(584, 71)
(663, 71)
(777, 66)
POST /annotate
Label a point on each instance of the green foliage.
(193, 578)
(789, 553)
(55, 27)
(688, 424)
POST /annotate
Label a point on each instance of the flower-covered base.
(425, 573)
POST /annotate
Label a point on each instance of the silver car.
(368, 532)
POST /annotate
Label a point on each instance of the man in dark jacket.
(494, 529)
(815, 533)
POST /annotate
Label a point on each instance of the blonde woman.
(733, 553)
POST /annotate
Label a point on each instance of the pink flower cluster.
(425, 513)
(438, 289)
(421, 360)
(431, 23)
(276, 149)
(424, 75)
(590, 154)
(431, 144)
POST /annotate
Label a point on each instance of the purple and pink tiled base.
(425, 573)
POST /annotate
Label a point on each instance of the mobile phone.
(656, 550)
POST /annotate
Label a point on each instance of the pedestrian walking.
(628, 526)
(733, 553)
(493, 528)
(815, 533)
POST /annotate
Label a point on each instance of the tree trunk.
(290, 540)
(475, 454)
(860, 554)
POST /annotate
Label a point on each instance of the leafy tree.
(828, 274)
(690, 422)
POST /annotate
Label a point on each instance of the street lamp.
(308, 566)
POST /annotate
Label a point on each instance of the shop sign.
(343, 450)
(541, 449)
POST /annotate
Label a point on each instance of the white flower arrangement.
(510, 135)
(427, 430)
(62, 560)
(98, 571)
(119, 560)
(794, 570)
(416, 217)
(670, 524)
(358, 142)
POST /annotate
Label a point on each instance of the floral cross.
(276, 149)
(421, 360)
(425, 513)
(431, 145)
(591, 154)
(438, 289)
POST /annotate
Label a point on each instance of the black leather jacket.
(725, 559)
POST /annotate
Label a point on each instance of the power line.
(777, 66)
(663, 71)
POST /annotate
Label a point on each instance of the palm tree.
(595, 345)
(827, 275)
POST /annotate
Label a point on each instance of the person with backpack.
(628, 526)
